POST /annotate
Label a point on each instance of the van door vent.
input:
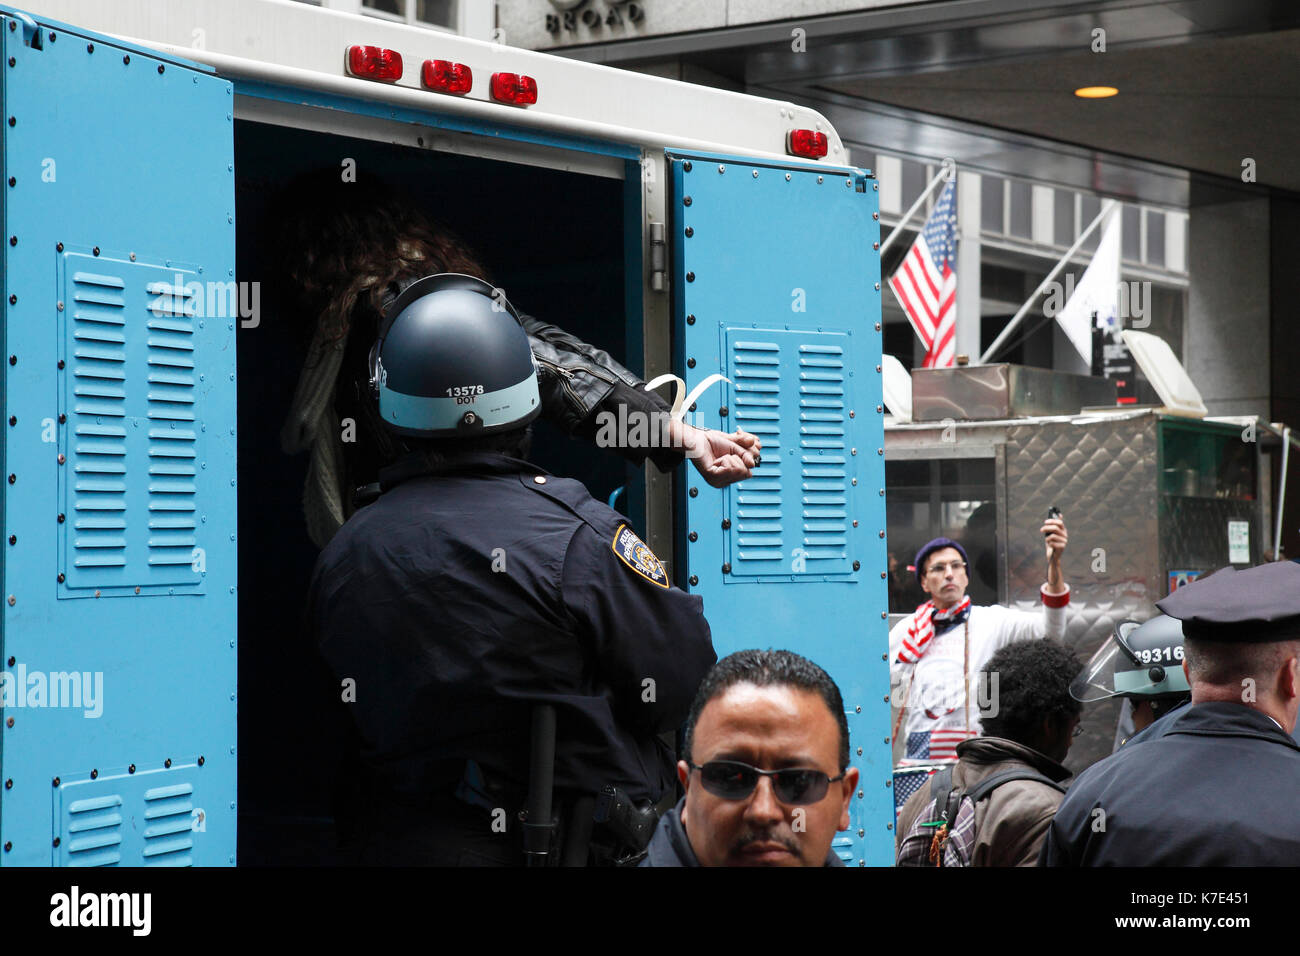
(172, 435)
(776, 374)
(822, 455)
(133, 435)
(168, 825)
(93, 831)
(756, 539)
(98, 400)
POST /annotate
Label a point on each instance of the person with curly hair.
(935, 653)
(1031, 721)
(348, 251)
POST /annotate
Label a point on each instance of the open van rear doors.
(777, 286)
(119, 508)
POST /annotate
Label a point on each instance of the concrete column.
(478, 18)
(968, 265)
(1226, 349)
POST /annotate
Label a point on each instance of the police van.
(157, 684)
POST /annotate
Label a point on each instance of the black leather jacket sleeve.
(579, 381)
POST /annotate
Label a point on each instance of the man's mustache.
(769, 836)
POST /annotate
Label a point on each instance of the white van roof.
(289, 43)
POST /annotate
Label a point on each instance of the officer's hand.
(721, 458)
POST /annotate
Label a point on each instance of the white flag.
(1097, 291)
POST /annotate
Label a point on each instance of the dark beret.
(929, 548)
(1252, 606)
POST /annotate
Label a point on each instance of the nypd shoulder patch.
(636, 554)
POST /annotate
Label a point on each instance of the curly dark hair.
(767, 669)
(1033, 683)
(343, 243)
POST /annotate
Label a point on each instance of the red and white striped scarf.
(921, 628)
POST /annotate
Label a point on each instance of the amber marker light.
(1095, 92)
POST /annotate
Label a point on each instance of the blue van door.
(118, 673)
(777, 286)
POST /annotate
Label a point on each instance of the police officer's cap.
(1256, 605)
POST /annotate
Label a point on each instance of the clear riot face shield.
(1138, 661)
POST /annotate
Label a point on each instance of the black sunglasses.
(732, 780)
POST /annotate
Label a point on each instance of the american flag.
(924, 746)
(926, 282)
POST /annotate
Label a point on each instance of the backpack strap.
(992, 782)
(946, 802)
(942, 792)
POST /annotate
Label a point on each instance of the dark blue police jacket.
(1217, 788)
(470, 590)
(670, 847)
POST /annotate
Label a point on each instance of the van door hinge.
(31, 30)
(658, 257)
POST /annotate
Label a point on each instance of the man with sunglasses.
(936, 653)
(765, 768)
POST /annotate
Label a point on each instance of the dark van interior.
(555, 241)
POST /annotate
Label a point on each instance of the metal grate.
(822, 455)
(773, 376)
(98, 421)
(168, 830)
(130, 490)
(94, 831)
(757, 535)
(172, 439)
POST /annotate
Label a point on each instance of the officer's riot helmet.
(453, 361)
(1138, 661)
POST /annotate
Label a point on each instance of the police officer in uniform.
(477, 586)
(1217, 787)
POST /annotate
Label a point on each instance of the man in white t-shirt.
(937, 654)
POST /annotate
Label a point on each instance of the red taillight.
(514, 89)
(375, 63)
(806, 142)
(444, 76)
